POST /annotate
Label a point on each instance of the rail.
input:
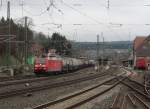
(79, 94)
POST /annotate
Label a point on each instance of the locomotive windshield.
(40, 60)
(51, 56)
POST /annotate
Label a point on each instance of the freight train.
(54, 64)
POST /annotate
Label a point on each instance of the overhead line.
(48, 10)
(82, 13)
(43, 12)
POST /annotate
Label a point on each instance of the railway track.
(135, 96)
(63, 102)
(5, 79)
(131, 99)
(23, 80)
(139, 91)
(147, 87)
(49, 85)
(116, 101)
(143, 87)
(135, 84)
(147, 83)
(141, 101)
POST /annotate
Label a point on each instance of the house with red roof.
(141, 52)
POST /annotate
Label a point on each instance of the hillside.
(106, 45)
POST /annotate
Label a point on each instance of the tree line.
(56, 41)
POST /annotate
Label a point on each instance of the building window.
(144, 47)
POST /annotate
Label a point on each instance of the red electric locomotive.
(48, 64)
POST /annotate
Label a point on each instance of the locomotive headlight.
(36, 65)
(43, 66)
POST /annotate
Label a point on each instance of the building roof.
(144, 48)
(138, 41)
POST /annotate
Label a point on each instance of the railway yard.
(74, 54)
(113, 88)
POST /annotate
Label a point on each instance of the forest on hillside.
(105, 45)
(13, 40)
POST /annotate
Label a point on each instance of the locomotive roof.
(40, 60)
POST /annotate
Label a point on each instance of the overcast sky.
(82, 20)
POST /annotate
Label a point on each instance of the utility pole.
(97, 46)
(102, 59)
(8, 10)
(97, 53)
(108, 4)
(97, 50)
(129, 50)
(22, 4)
(26, 40)
(9, 44)
(1, 3)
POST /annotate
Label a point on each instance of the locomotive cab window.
(51, 56)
